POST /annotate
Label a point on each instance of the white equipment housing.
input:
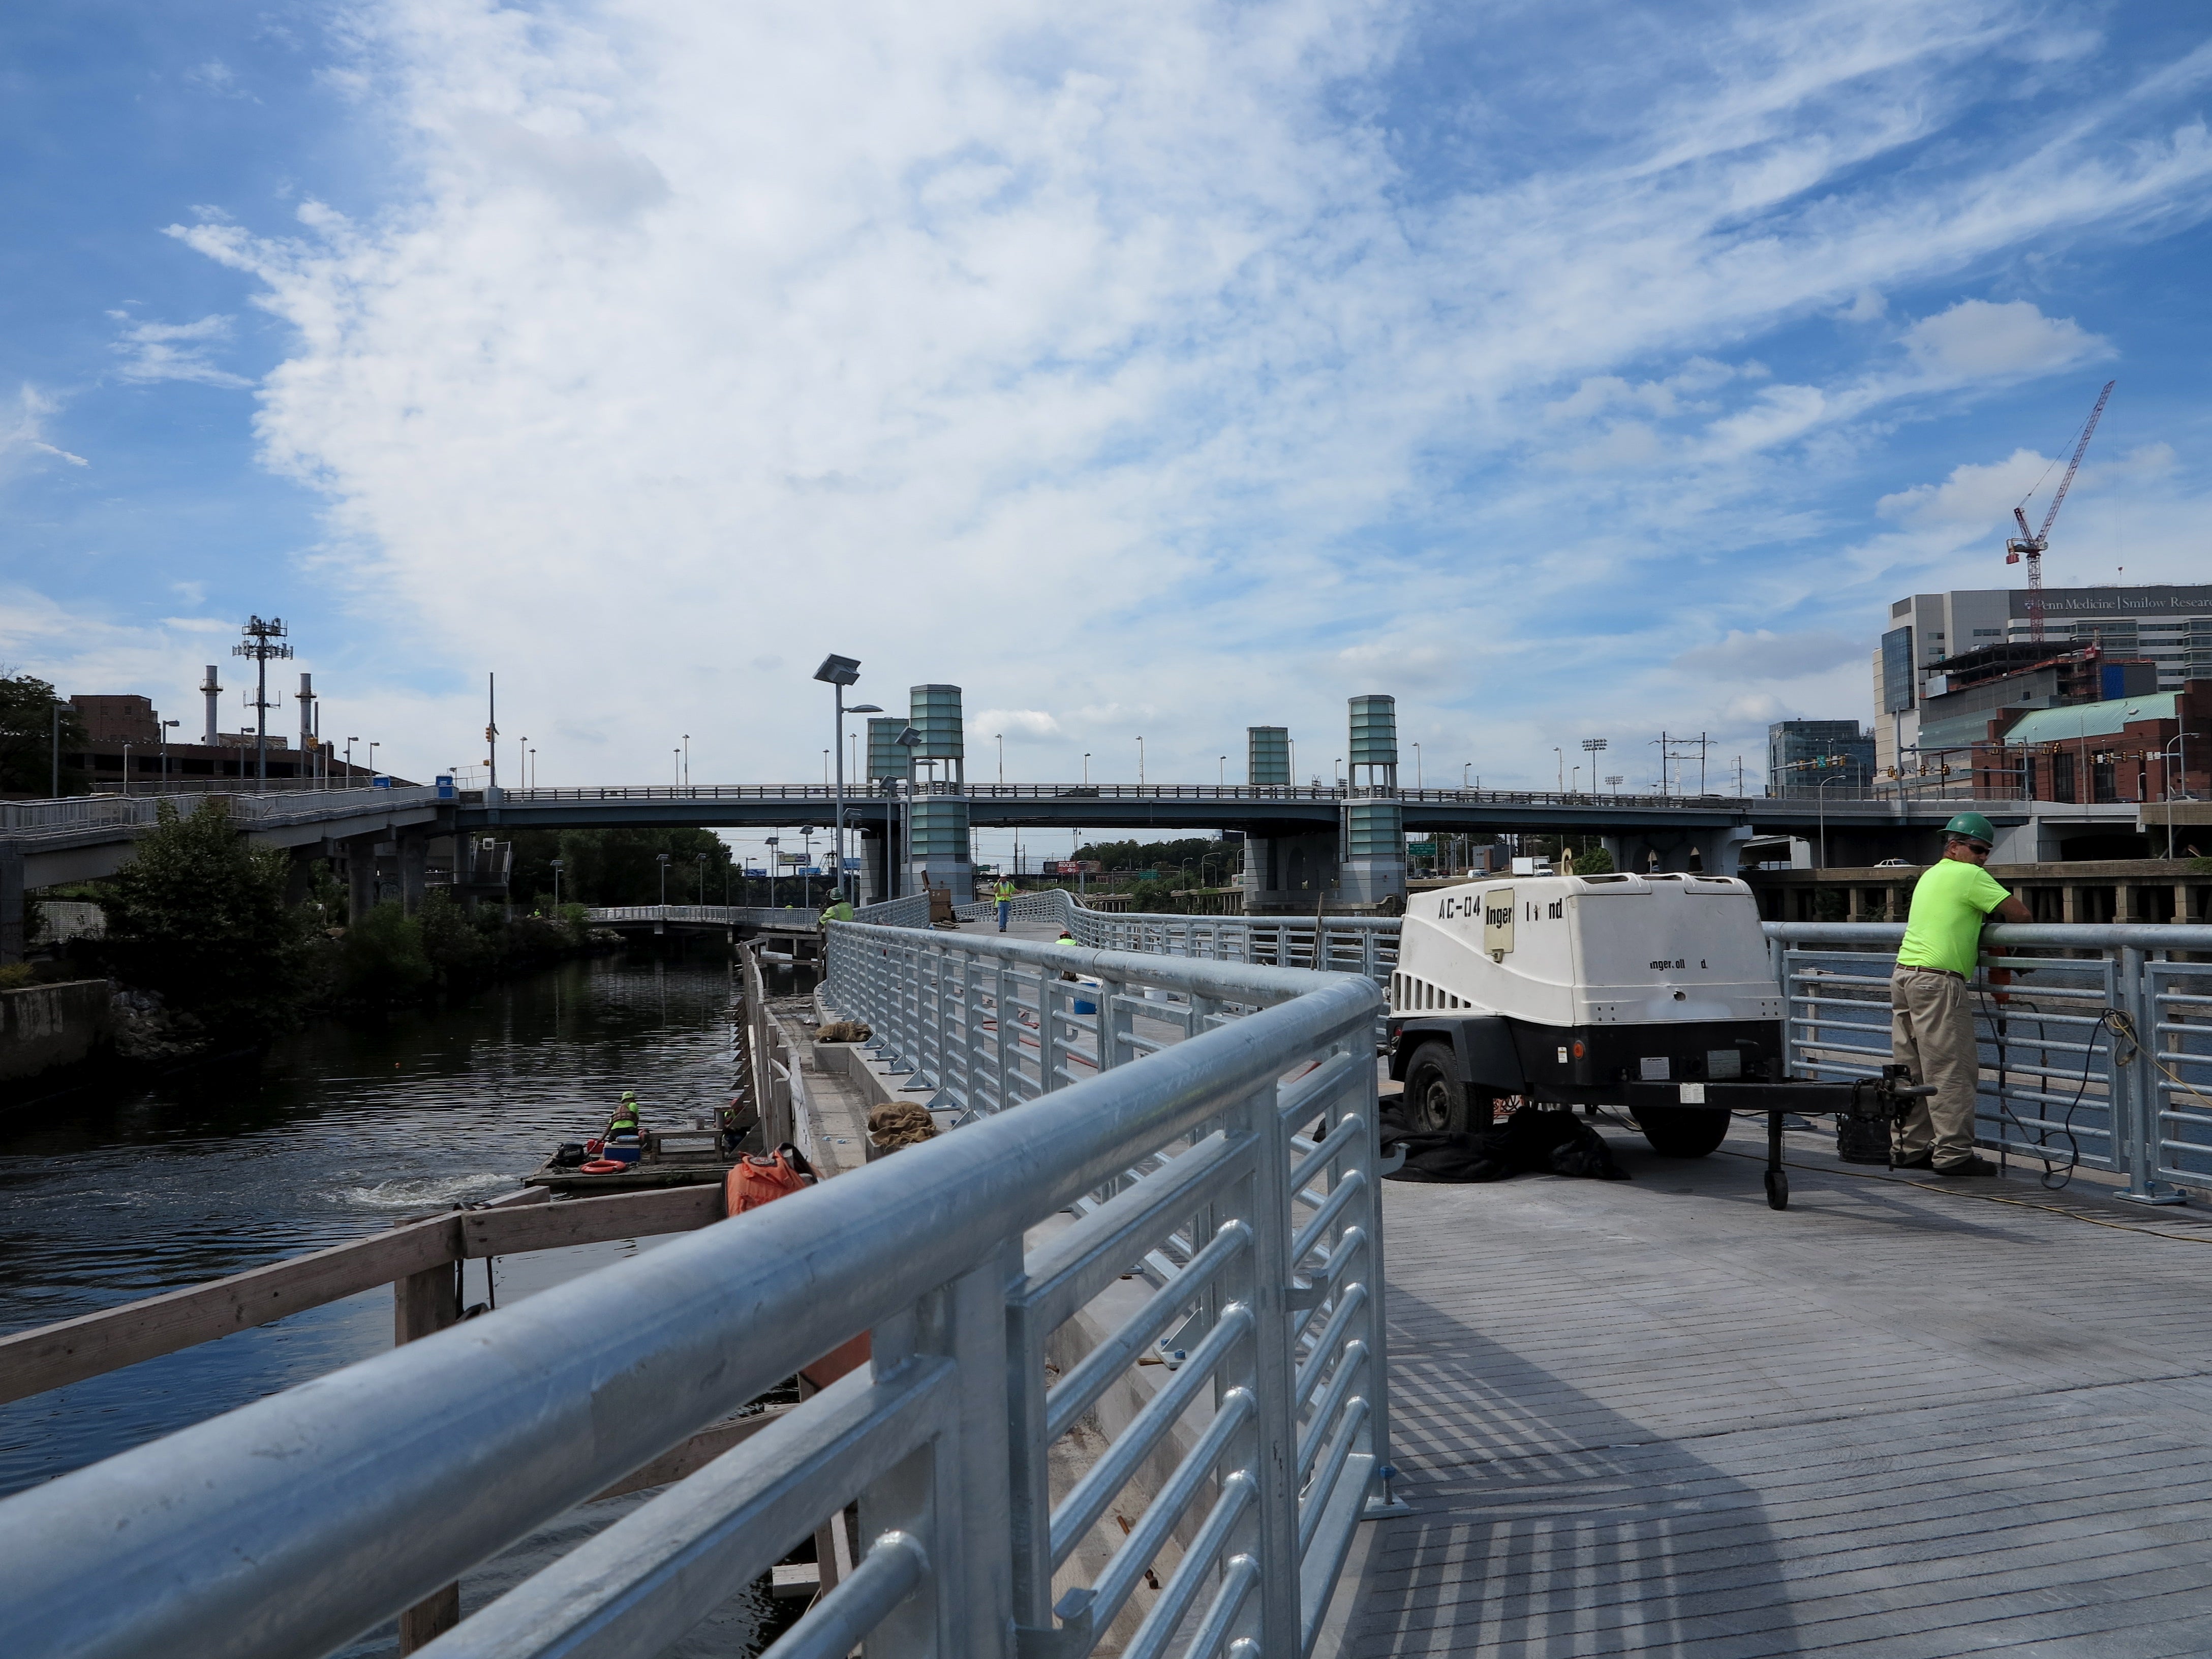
(1607, 949)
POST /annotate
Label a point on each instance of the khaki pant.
(1931, 1031)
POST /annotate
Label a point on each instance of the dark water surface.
(105, 1199)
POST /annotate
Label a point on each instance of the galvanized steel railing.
(30, 819)
(292, 1525)
(716, 916)
(1282, 1398)
(1346, 945)
(2097, 1050)
(912, 911)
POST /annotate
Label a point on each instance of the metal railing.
(1346, 945)
(292, 1525)
(2096, 1045)
(912, 911)
(1317, 793)
(80, 813)
(714, 915)
(1282, 1397)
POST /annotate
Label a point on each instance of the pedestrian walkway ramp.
(1657, 1418)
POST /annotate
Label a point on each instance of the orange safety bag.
(755, 1180)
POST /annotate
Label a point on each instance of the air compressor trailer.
(1653, 993)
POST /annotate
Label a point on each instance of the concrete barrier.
(42, 1026)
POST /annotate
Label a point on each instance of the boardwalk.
(1658, 1418)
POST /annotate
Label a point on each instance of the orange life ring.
(602, 1166)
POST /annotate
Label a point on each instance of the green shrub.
(199, 917)
(382, 959)
(455, 949)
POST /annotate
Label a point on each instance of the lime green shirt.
(1945, 928)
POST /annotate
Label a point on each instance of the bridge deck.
(1655, 1417)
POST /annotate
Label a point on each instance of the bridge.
(1903, 1416)
(1299, 830)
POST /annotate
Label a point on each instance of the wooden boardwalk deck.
(1658, 1418)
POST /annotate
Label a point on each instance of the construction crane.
(2029, 545)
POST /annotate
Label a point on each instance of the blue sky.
(1566, 370)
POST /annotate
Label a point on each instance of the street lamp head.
(865, 708)
(663, 857)
(908, 738)
(838, 671)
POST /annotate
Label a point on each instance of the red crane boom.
(2030, 545)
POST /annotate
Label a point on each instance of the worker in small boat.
(625, 1122)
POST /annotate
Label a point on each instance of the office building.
(1803, 755)
(1931, 636)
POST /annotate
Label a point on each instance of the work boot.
(1973, 1166)
(1922, 1162)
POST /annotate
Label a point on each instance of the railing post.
(1269, 1533)
(2134, 1086)
(423, 1303)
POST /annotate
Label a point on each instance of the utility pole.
(491, 731)
(260, 647)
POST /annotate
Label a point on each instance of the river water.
(106, 1197)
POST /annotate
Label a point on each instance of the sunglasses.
(1977, 849)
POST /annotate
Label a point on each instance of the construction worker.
(1004, 892)
(839, 910)
(1931, 1012)
(625, 1122)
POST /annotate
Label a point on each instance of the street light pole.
(838, 672)
(1001, 738)
(1086, 766)
(663, 857)
(557, 887)
(1140, 761)
(1417, 766)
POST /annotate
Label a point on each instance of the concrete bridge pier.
(1286, 874)
(1714, 851)
(414, 869)
(299, 870)
(11, 902)
(361, 875)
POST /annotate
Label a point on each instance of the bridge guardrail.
(2097, 1048)
(2060, 1084)
(79, 814)
(1354, 944)
(1293, 1452)
(714, 915)
(292, 1525)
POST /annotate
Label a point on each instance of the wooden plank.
(54, 1356)
(695, 1454)
(590, 1220)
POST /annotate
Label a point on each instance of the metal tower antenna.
(2030, 544)
(260, 637)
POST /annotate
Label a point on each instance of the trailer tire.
(1681, 1131)
(1435, 1100)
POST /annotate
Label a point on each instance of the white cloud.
(1972, 496)
(1978, 340)
(24, 438)
(1096, 360)
(1016, 722)
(1763, 654)
(175, 351)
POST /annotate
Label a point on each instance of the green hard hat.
(1971, 823)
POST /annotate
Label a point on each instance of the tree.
(617, 866)
(382, 959)
(199, 916)
(26, 739)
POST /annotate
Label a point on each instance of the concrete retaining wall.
(42, 1026)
